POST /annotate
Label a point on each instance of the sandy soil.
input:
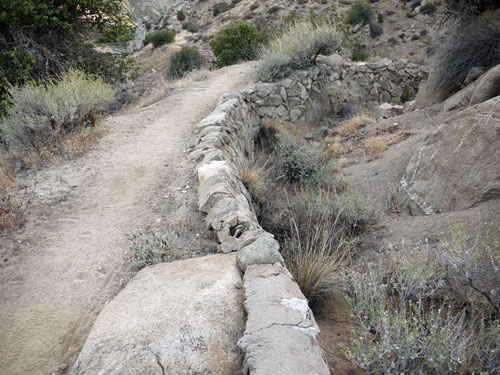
(70, 258)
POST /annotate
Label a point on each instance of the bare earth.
(70, 258)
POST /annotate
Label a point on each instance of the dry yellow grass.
(377, 144)
(353, 124)
(255, 178)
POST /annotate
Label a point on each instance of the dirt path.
(58, 272)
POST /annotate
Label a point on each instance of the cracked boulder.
(183, 317)
(458, 165)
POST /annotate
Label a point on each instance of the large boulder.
(183, 317)
(458, 165)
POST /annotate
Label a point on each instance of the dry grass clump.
(377, 144)
(41, 114)
(353, 124)
(255, 178)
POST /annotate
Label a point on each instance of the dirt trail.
(59, 271)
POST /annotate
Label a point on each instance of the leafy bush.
(180, 15)
(298, 47)
(359, 53)
(234, 3)
(300, 163)
(380, 18)
(40, 113)
(185, 60)
(376, 30)
(219, 8)
(354, 209)
(239, 41)
(424, 311)
(392, 337)
(191, 27)
(148, 251)
(360, 12)
(160, 37)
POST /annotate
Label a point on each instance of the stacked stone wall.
(281, 333)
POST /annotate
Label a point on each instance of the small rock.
(308, 136)
(320, 134)
(263, 250)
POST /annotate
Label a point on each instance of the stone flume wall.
(281, 333)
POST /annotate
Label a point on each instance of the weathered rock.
(263, 250)
(320, 134)
(174, 318)
(386, 110)
(281, 333)
(486, 87)
(458, 165)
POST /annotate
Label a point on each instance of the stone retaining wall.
(281, 333)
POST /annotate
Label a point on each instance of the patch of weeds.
(13, 208)
(149, 250)
(191, 27)
(219, 8)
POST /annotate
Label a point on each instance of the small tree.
(361, 12)
(239, 41)
(185, 60)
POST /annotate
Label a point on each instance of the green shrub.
(429, 311)
(40, 113)
(160, 37)
(380, 18)
(359, 53)
(219, 8)
(415, 37)
(191, 27)
(376, 30)
(298, 47)
(239, 41)
(354, 209)
(181, 16)
(234, 3)
(148, 251)
(360, 12)
(300, 163)
(185, 60)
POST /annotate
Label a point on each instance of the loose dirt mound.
(69, 260)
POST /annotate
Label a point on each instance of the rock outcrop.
(458, 165)
(183, 317)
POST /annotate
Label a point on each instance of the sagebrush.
(149, 250)
(41, 113)
(298, 47)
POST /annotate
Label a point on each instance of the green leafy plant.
(380, 18)
(185, 60)
(238, 41)
(149, 250)
(219, 8)
(360, 12)
(160, 37)
(191, 27)
(180, 15)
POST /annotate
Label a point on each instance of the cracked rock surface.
(183, 317)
